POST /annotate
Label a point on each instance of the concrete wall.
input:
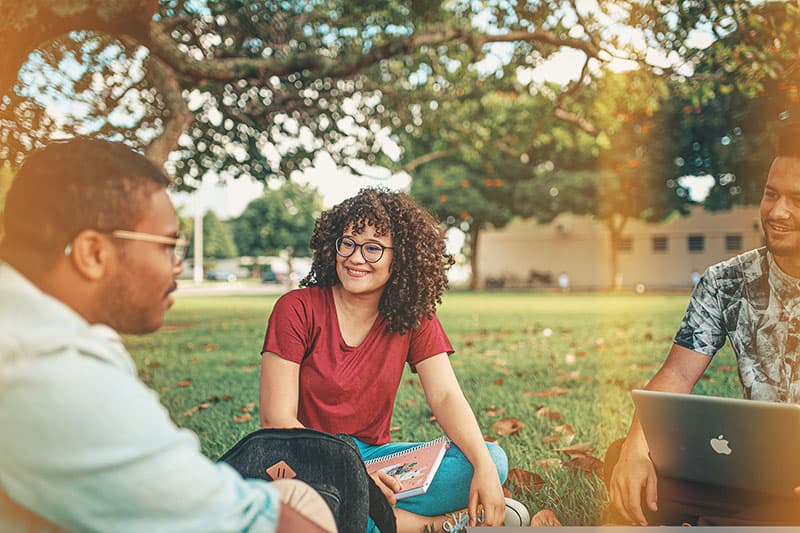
(580, 247)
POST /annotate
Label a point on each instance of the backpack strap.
(379, 509)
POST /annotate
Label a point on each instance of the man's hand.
(634, 471)
(389, 485)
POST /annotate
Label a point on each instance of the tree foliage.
(280, 220)
(258, 87)
(217, 239)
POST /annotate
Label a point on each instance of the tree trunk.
(290, 265)
(474, 280)
(615, 224)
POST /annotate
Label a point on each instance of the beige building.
(659, 256)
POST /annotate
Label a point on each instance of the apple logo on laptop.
(720, 445)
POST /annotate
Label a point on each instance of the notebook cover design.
(414, 467)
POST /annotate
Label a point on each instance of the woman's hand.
(388, 485)
(486, 490)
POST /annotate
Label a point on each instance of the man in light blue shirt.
(91, 248)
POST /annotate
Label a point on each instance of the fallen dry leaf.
(226, 398)
(411, 402)
(507, 426)
(249, 368)
(487, 438)
(246, 408)
(550, 439)
(507, 493)
(552, 391)
(242, 418)
(394, 428)
(725, 368)
(550, 462)
(499, 362)
(494, 411)
(567, 432)
(196, 408)
(545, 518)
(569, 376)
(184, 383)
(432, 419)
(211, 347)
(581, 448)
(546, 412)
(195, 360)
(585, 464)
(498, 381)
(524, 480)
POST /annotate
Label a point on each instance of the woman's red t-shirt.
(346, 389)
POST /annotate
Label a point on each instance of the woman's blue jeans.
(449, 490)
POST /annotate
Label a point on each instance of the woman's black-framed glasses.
(370, 251)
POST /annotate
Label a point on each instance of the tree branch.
(427, 158)
(179, 116)
(26, 25)
(576, 119)
(541, 36)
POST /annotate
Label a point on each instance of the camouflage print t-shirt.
(752, 302)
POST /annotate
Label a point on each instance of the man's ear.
(92, 254)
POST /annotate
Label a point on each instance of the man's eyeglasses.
(370, 251)
(177, 245)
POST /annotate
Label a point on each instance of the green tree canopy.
(218, 240)
(246, 87)
(282, 219)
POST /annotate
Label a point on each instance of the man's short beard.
(782, 250)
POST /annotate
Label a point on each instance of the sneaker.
(459, 520)
(516, 514)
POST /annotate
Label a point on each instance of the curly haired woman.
(335, 350)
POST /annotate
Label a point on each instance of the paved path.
(224, 288)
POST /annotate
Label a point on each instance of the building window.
(660, 243)
(625, 244)
(697, 243)
(733, 242)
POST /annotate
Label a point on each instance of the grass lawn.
(577, 355)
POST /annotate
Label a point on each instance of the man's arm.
(634, 470)
(89, 447)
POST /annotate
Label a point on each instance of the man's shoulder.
(746, 266)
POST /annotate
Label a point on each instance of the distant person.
(563, 281)
(752, 299)
(335, 350)
(91, 248)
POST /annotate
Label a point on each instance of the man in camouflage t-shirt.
(753, 300)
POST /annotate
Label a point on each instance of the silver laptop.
(728, 442)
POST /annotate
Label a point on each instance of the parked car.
(270, 276)
(220, 275)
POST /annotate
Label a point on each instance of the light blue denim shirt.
(87, 446)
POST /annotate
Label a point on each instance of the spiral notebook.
(414, 467)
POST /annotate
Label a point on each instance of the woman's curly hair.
(419, 263)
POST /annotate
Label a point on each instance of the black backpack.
(329, 463)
